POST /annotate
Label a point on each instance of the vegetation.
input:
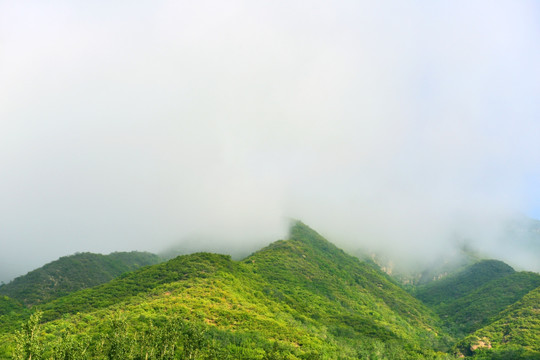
(8, 305)
(514, 335)
(179, 270)
(72, 273)
(462, 283)
(12, 313)
(481, 306)
(307, 272)
(474, 297)
(300, 298)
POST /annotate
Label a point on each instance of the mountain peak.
(303, 234)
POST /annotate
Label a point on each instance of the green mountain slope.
(12, 313)
(72, 273)
(8, 305)
(182, 269)
(307, 271)
(514, 335)
(462, 283)
(480, 306)
(474, 297)
(296, 299)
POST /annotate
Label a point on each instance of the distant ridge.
(474, 297)
(72, 273)
(460, 284)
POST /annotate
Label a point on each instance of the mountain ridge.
(303, 294)
(297, 298)
(73, 272)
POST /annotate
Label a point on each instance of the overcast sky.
(133, 125)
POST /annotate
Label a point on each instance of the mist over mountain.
(299, 298)
(514, 239)
(393, 127)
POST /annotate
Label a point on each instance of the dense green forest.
(473, 297)
(299, 298)
(514, 333)
(458, 285)
(482, 305)
(72, 273)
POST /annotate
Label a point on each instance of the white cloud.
(132, 125)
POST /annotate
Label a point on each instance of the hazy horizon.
(392, 126)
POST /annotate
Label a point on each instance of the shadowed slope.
(462, 283)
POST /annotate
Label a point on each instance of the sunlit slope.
(303, 294)
(514, 335)
(186, 269)
(312, 275)
(72, 273)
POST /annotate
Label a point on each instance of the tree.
(28, 345)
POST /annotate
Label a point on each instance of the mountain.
(479, 307)
(300, 298)
(515, 334)
(475, 297)
(72, 273)
(462, 283)
(307, 271)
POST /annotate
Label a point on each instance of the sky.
(384, 125)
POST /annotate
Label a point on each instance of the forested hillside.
(8, 305)
(475, 296)
(482, 305)
(458, 285)
(308, 271)
(72, 273)
(514, 334)
(299, 298)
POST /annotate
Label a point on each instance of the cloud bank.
(132, 126)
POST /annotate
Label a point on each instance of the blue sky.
(135, 125)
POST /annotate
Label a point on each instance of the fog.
(388, 126)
